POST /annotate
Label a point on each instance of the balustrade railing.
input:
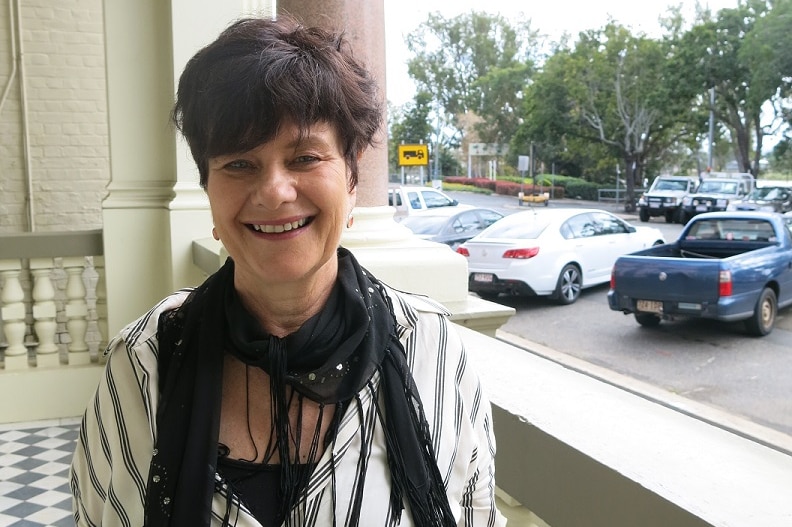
(53, 305)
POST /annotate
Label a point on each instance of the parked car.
(664, 198)
(715, 192)
(451, 226)
(551, 252)
(416, 200)
(727, 266)
(770, 198)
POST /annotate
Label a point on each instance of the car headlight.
(671, 201)
(722, 202)
(731, 206)
(686, 201)
(642, 201)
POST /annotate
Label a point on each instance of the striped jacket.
(111, 461)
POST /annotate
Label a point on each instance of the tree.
(714, 59)
(475, 63)
(410, 125)
(613, 90)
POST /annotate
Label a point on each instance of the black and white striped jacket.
(111, 462)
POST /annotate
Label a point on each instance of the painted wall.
(57, 95)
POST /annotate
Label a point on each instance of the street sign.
(413, 155)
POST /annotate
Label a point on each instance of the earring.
(214, 234)
(350, 221)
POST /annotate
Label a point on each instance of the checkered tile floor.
(34, 466)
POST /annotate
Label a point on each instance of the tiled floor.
(34, 466)
(34, 470)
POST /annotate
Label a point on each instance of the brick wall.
(64, 82)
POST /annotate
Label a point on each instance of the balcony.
(574, 449)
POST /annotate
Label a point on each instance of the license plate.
(650, 306)
(654, 205)
(482, 277)
(701, 208)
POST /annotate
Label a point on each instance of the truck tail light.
(724, 283)
(463, 251)
(521, 254)
(613, 279)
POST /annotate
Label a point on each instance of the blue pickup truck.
(728, 266)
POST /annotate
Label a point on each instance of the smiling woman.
(292, 387)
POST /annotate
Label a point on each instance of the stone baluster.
(101, 304)
(76, 311)
(12, 300)
(44, 313)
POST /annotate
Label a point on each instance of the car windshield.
(732, 229)
(435, 199)
(526, 227)
(769, 193)
(719, 187)
(670, 184)
(424, 224)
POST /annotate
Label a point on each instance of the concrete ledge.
(47, 393)
(581, 452)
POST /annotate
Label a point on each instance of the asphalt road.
(744, 380)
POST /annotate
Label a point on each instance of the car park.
(416, 200)
(551, 252)
(451, 226)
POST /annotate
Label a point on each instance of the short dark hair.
(235, 93)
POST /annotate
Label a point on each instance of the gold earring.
(214, 234)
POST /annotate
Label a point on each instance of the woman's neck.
(283, 308)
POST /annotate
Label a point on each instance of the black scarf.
(329, 360)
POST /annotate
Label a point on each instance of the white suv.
(416, 200)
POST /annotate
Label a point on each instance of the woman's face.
(280, 208)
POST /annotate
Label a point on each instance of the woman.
(291, 387)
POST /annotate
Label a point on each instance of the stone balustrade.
(52, 302)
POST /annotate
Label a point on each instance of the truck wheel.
(763, 318)
(683, 217)
(568, 286)
(643, 215)
(669, 216)
(647, 320)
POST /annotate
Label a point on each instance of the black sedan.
(449, 226)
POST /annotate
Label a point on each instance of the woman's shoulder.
(144, 329)
(411, 304)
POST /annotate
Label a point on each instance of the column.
(44, 313)
(12, 300)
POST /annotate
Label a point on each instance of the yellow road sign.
(413, 155)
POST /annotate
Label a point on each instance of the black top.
(256, 485)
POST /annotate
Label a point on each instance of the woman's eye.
(303, 159)
(238, 164)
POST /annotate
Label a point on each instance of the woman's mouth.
(277, 229)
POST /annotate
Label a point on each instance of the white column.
(155, 207)
(101, 304)
(44, 312)
(12, 300)
(76, 311)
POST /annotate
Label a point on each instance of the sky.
(549, 17)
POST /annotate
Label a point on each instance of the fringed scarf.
(329, 360)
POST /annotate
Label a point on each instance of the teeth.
(276, 229)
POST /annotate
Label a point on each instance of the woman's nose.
(274, 186)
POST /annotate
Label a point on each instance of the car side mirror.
(630, 228)
(454, 203)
